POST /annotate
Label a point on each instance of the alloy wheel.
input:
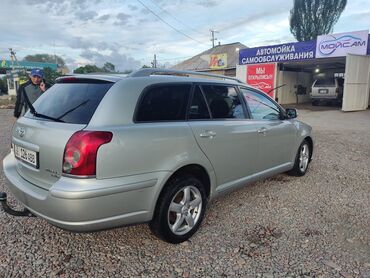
(185, 210)
(304, 156)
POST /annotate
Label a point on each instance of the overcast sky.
(127, 34)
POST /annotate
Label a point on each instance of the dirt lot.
(7, 101)
(314, 226)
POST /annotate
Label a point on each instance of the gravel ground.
(314, 226)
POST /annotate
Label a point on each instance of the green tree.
(109, 67)
(46, 58)
(50, 75)
(310, 18)
(88, 69)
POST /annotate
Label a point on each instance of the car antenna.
(273, 89)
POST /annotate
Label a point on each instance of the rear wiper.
(73, 109)
(38, 115)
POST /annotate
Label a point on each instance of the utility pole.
(55, 56)
(13, 57)
(154, 63)
(213, 39)
(14, 74)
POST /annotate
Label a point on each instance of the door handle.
(208, 134)
(262, 131)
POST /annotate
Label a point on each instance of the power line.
(209, 54)
(179, 21)
(165, 22)
(176, 58)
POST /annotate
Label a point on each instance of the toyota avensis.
(100, 151)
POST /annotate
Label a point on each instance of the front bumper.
(83, 205)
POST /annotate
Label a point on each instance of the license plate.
(323, 91)
(27, 156)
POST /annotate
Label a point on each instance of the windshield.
(325, 83)
(73, 103)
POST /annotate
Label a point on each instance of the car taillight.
(80, 152)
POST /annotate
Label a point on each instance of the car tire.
(180, 209)
(302, 160)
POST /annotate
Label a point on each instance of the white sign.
(338, 45)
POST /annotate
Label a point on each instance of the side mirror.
(291, 113)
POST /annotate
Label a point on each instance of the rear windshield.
(73, 103)
(325, 82)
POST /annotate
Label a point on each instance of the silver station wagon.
(101, 151)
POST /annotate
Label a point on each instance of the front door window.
(261, 107)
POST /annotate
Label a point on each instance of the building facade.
(292, 68)
(221, 59)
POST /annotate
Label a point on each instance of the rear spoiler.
(84, 79)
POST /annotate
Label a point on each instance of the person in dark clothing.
(29, 92)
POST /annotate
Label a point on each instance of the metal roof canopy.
(310, 65)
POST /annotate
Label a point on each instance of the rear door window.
(73, 103)
(164, 103)
(224, 102)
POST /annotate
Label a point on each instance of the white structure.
(297, 65)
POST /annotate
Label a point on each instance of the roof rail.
(156, 71)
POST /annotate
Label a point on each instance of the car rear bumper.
(325, 98)
(333, 96)
(83, 205)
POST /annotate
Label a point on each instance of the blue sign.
(368, 45)
(278, 53)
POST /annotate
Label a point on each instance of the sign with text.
(26, 65)
(262, 77)
(339, 45)
(278, 53)
(218, 61)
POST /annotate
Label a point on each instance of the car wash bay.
(295, 66)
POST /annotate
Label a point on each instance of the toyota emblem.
(21, 131)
